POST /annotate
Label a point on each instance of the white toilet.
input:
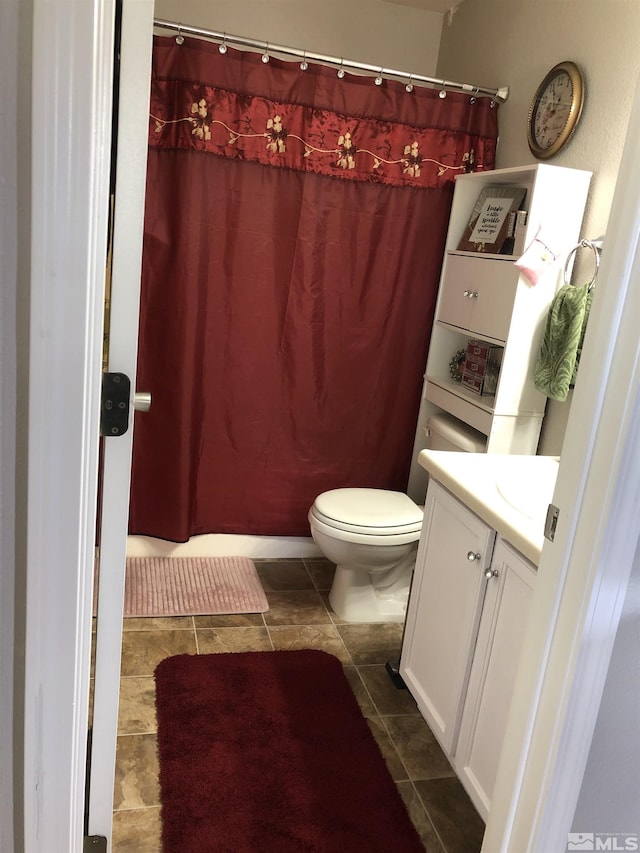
(372, 537)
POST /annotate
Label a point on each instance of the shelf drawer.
(466, 411)
(492, 283)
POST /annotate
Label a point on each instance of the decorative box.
(481, 367)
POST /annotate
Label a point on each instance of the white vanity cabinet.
(444, 609)
(493, 673)
(466, 619)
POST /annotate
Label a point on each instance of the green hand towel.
(557, 363)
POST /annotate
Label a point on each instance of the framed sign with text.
(488, 226)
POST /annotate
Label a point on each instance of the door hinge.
(551, 522)
(94, 844)
(116, 395)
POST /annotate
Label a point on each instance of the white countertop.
(511, 493)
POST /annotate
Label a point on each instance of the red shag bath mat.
(269, 751)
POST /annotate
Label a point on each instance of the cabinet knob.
(490, 573)
(472, 556)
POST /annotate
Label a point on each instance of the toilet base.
(354, 599)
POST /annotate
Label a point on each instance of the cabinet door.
(493, 673)
(478, 294)
(444, 610)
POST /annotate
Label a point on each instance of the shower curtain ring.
(265, 55)
(341, 70)
(223, 46)
(378, 80)
(179, 37)
(409, 86)
(443, 92)
(304, 64)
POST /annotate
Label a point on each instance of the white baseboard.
(225, 545)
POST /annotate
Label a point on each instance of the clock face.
(555, 110)
(552, 111)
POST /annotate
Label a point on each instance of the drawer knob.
(472, 556)
(490, 573)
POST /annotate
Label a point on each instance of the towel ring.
(583, 244)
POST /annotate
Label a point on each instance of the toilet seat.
(369, 512)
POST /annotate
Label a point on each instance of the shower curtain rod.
(500, 94)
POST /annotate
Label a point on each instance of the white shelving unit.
(503, 309)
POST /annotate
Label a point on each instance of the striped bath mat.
(192, 586)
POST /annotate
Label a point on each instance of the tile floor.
(299, 616)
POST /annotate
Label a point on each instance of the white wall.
(515, 43)
(369, 31)
(614, 760)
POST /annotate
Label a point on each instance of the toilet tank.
(444, 432)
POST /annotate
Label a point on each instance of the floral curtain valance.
(431, 141)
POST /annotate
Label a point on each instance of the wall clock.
(555, 110)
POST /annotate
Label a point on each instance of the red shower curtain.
(294, 231)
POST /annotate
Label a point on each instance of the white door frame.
(71, 159)
(128, 221)
(72, 81)
(70, 141)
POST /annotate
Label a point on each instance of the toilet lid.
(376, 510)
